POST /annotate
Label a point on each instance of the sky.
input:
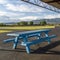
(16, 10)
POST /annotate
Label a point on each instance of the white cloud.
(26, 18)
(11, 7)
(14, 15)
(23, 8)
(12, 11)
(52, 16)
(29, 18)
(3, 1)
(2, 13)
(11, 14)
(58, 16)
(30, 8)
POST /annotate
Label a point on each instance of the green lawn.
(9, 29)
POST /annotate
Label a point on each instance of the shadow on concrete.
(40, 50)
(46, 49)
(13, 50)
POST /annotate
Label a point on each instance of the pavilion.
(53, 5)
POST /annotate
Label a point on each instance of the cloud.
(26, 18)
(58, 16)
(2, 13)
(49, 17)
(29, 18)
(11, 7)
(11, 14)
(17, 10)
(15, 15)
(23, 8)
(3, 1)
(52, 16)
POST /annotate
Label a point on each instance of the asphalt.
(43, 51)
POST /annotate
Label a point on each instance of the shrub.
(1, 24)
(22, 23)
(31, 23)
(43, 23)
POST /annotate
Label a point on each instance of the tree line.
(31, 23)
(23, 23)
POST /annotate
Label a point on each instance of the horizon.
(53, 20)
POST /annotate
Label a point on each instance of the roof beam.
(53, 1)
(42, 4)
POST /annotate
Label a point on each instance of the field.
(9, 29)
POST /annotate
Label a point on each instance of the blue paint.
(9, 40)
(28, 34)
(15, 42)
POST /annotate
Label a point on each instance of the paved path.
(40, 52)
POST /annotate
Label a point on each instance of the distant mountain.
(49, 21)
(53, 21)
(38, 21)
(8, 20)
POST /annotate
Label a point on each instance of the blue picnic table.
(27, 34)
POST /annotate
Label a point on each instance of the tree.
(31, 22)
(22, 23)
(1, 24)
(43, 23)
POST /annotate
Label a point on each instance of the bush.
(1, 24)
(31, 23)
(51, 24)
(22, 23)
(43, 23)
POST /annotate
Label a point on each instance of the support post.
(46, 34)
(28, 49)
(27, 46)
(15, 42)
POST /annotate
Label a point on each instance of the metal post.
(25, 38)
(46, 34)
(15, 42)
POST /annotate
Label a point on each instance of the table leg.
(28, 49)
(25, 38)
(15, 43)
(48, 39)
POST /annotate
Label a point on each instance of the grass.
(26, 27)
(3, 31)
(9, 29)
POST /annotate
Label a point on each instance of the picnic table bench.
(27, 34)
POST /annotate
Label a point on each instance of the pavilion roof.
(55, 3)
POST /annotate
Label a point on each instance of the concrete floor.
(43, 51)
